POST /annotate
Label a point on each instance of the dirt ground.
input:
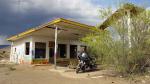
(27, 74)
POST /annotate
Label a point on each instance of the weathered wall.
(19, 56)
(18, 51)
(47, 39)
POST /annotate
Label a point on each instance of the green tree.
(114, 50)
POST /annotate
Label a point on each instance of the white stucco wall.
(18, 55)
(20, 47)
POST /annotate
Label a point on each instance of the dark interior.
(62, 50)
(40, 50)
(73, 51)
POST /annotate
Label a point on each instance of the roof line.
(121, 12)
(76, 23)
(46, 24)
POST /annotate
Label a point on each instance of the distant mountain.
(3, 46)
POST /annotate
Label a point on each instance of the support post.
(11, 53)
(129, 28)
(55, 51)
(68, 51)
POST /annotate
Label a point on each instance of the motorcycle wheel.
(77, 70)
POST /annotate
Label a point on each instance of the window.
(15, 49)
(27, 45)
(51, 44)
(40, 50)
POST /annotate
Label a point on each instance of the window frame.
(27, 48)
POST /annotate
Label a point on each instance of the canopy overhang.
(134, 10)
(69, 30)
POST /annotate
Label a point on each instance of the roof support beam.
(56, 46)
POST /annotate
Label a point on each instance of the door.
(73, 51)
(62, 48)
(51, 55)
(51, 51)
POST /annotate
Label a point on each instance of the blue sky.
(17, 17)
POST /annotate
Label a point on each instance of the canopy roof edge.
(55, 21)
(134, 10)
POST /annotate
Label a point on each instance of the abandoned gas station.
(58, 39)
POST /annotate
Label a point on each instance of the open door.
(62, 50)
(51, 51)
(73, 51)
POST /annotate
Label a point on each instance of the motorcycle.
(86, 65)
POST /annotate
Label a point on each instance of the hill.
(3, 46)
(4, 52)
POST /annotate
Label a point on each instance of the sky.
(19, 15)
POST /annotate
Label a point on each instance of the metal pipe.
(55, 52)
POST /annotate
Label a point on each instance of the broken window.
(40, 50)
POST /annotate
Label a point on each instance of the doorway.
(51, 51)
(73, 51)
(62, 50)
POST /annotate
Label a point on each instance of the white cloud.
(3, 40)
(82, 10)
